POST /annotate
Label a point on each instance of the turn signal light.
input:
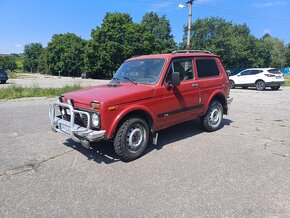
(112, 108)
(95, 105)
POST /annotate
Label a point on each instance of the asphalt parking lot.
(241, 170)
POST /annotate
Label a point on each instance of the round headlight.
(95, 120)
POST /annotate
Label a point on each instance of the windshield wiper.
(113, 83)
(117, 79)
(131, 80)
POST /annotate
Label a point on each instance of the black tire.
(260, 85)
(132, 138)
(3, 81)
(245, 87)
(275, 87)
(212, 119)
(232, 84)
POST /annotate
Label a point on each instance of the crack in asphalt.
(30, 166)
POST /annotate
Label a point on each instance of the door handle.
(195, 85)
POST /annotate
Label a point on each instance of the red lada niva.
(148, 93)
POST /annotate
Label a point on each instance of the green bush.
(287, 80)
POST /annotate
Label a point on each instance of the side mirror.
(238, 74)
(176, 78)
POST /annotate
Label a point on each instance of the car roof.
(269, 68)
(173, 55)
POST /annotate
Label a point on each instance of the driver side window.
(183, 66)
(246, 73)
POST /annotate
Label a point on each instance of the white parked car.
(259, 78)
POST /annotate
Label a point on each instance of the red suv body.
(147, 94)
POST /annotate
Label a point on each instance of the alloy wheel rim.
(260, 85)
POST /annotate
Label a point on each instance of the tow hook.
(85, 144)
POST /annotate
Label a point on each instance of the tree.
(43, 65)
(11, 63)
(116, 40)
(2, 63)
(288, 55)
(64, 54)
(8, 63)
(160, 28)
(277, 51)
(261, 56)
(32, 52)
(233, 43)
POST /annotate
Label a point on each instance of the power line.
(244, 15)
(224, 10)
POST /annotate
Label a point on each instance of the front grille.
(81, 119)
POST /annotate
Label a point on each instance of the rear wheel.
(212, 120)
(3, 81)
(232, 84)
(132, 138)
(260, 85)
(275, 87)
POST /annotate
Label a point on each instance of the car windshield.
(140, 71)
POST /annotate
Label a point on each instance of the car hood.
(109, 95)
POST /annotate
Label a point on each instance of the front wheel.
(132, 138)
(212, 120)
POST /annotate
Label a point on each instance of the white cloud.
(269, 4)
(18, 45)
(266, 31)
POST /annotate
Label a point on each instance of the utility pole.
(189, 3)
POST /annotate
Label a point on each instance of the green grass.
(13, 75)
(14, 92)
(287, 80)
(19, 62)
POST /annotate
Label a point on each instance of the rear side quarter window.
(207, 68)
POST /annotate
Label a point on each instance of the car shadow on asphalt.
(100, 152)
(103, 151)
(181, 131)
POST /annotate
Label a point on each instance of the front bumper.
(69, 128)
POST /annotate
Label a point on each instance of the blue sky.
(27, 21)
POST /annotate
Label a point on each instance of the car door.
(180, 102)
(254, 76)
(243, 77)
